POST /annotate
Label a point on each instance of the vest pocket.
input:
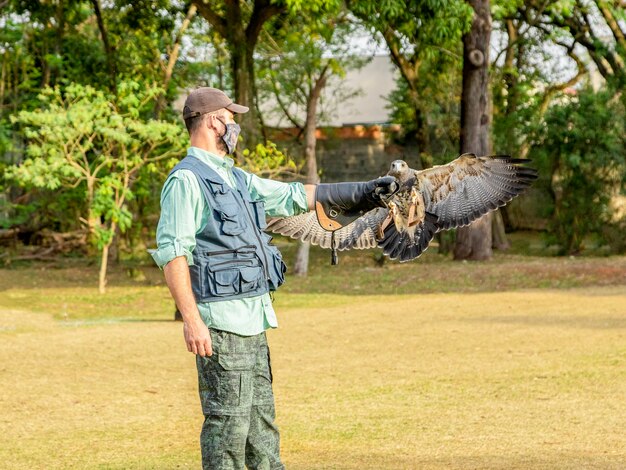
(232, 223)
(225, 282)
(232, 278)
(259, 212)
(277, 268)
(217, 186)
(250, 277)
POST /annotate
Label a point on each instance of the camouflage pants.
(238, 404)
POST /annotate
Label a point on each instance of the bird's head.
(400, 170)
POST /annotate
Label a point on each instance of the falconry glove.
(339, 204)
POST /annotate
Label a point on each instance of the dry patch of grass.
(527, 379)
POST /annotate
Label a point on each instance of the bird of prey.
(427, 201)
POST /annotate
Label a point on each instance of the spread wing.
(360, 234)
(470, 186)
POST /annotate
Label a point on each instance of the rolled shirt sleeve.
(182, 207)
(281, 199)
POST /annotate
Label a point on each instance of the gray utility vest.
(233, 258)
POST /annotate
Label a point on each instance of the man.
(220, 268)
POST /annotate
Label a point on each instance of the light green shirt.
(184, 213)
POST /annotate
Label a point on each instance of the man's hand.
(197, 337)
(382, 188)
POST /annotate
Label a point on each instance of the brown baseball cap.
(206, 100)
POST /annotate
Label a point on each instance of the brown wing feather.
(360, 234)
(469, 187)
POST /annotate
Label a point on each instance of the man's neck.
(208, 145)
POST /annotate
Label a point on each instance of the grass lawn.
(516, 363)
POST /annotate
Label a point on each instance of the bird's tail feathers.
(405, 246)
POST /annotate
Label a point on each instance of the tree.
(579, 21)
(584, 152)
(594, 26)
(301, 58)
(520, 75)
(240, 29)
(415, 31)
(474, 242)
(81, 139)
(173, 52)
(240, 23)
(540, 62)
(62, 41)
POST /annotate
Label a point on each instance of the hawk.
(427, 201)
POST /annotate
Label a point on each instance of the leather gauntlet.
(339, 204)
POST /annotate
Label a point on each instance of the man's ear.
(212, 121)
(208, 121)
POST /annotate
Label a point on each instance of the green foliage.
(424, 41)
(416, 28)
(19, 213)
(515, 109)
(582, 143)
(81, 134)
(83, 141)
(57, 43)
(310, 6)
(501, 9)
(268, 161)
(438, 98)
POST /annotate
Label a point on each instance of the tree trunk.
(301, 267)
(421, 128)
(3, 77)
(613, 24)
(474, 242)
(241, 48)
(108, 49)
(241, 40)
(171, 61)
(499, 242)
(102, 277)
(510, 81)
(104, 260)
(60, 17)
(242, 67)
(409, 71)
(92, 221)
(45, 66)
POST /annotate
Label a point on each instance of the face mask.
(230, 136)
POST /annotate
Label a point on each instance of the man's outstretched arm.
(280, 197)
(196, 332)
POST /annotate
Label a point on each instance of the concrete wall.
(352, 153)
